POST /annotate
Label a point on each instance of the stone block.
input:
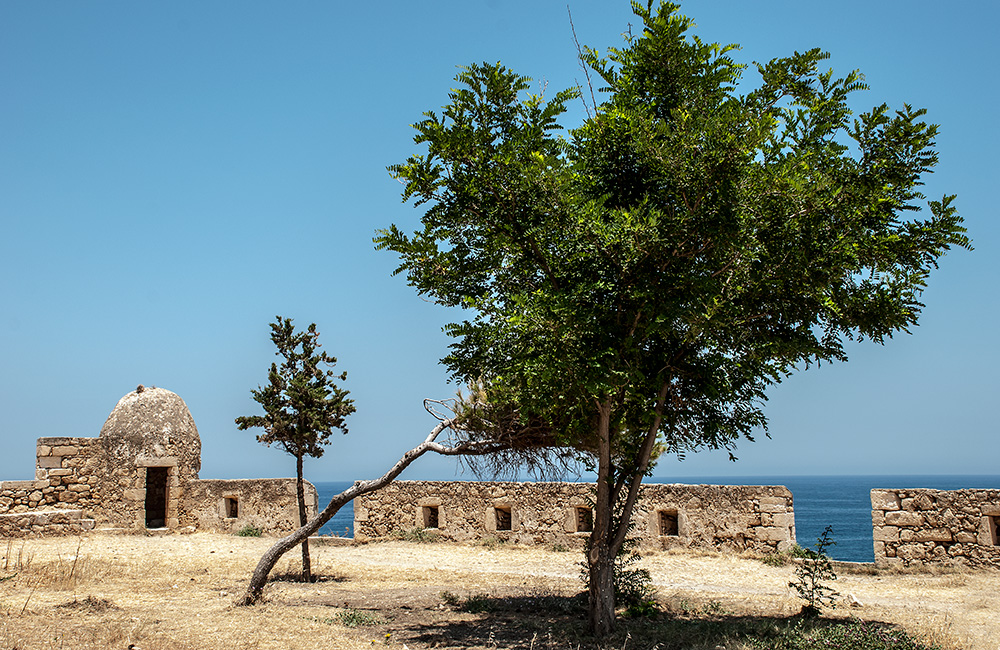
(885, 534)
(134, 495)
(43, 450)
(884, 500)
(785, 520)
(65, 450)
(932, 535)
(903, 518)
(772, 534)
(50, 462)
(889, 563)
(68, 497)
(79, 487)
(879, 548)
(911, 552)
(965, 538)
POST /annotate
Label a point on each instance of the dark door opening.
(156, 497)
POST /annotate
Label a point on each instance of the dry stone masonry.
(922, 526)
(734, 518)
(140, 473)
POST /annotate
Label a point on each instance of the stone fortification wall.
(229, 505)
(703, 516)
(44, 523)
(922, 526)
(140, 472)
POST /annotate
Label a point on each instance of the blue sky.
(173, 175)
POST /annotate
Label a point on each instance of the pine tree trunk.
(301, 495)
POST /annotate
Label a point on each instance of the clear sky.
(175, 174)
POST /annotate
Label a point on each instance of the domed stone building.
(140, 473)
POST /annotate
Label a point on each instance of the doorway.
(156, 497)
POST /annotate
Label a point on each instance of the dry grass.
(162, 593)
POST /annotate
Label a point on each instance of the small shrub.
(491, 542)
(811, 573)
(477, 604)
(249, 531)
(359, 618)
(418, 534)
(642, 609)
(559, 548)
(450, 599)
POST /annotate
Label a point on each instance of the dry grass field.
(177, 591)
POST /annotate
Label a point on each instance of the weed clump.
(249, 531)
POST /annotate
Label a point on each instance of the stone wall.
(44, 523)
(229, 505)
(702, 516)
(72, 468)
(922, 526)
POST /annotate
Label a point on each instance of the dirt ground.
(177, 591)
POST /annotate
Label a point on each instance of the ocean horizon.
(842, 502)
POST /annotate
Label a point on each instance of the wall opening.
(668, 523)
(994, 523)
(232, 507)
(503, 517)
(156, 497)
(431, 516)
(584, 520)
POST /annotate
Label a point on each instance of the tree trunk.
(600, 558)
(255, 589)
(301, 495)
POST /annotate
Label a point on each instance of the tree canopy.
(638, 284)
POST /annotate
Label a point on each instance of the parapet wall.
(922, 526)
(227, 506)
(738, 518)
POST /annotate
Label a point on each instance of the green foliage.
(359, 618)
(249, 531)
(302, 403)
(812, 571)
(417, 534)
(783, 558)
(635, 287)
(853, 634)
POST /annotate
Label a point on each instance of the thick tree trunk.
(301, 495)
(600, 556)
(255, 589)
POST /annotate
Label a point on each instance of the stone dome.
(150, 426)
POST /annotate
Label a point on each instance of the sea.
(842, 502)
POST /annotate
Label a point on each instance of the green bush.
(359, 618)
(249, 531)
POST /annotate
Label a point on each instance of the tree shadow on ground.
(559, 623)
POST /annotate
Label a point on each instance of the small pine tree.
(815, 568)
(302, 405)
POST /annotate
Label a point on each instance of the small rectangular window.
(503, 518)
(430, 516)
(995, 529)
(584, 520)
(232, 507)
(668, 523)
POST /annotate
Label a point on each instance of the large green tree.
(638, 285)
(302, 405)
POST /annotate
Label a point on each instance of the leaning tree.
(637, 286)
